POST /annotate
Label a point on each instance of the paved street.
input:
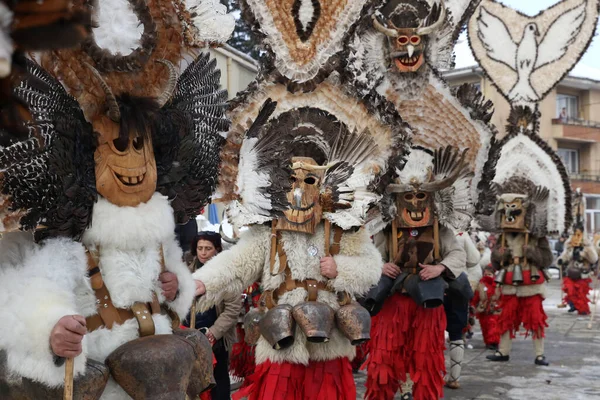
(572, 350)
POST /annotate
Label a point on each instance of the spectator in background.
(218, 323)
(559, 246)
(563, 115)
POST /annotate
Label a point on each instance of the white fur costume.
(51, 281)
(358, 265)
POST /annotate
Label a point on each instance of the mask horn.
(441, 8)
(171, 83)
(113, 107)
(386, 31)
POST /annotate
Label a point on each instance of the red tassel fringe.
(362, 351)
(489, 328)
(406, 338)
(319, 380)
(242, 362)
(523, 310)
(576, 293)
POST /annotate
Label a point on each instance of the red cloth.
(406, 338)
(489, 328)
(526, 311)
(576, 293)
(361, 355)
(241, 357)
(319, 380)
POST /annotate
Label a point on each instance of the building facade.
(570, 124)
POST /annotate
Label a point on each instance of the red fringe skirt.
(406, 338)
(241, 357)
(489, 328)
(319, 380)
(576, 293)
(526, 311)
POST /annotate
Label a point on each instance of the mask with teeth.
(415, 209)
(512, 209)
(304, 210)
(406, 26)
(125, 167)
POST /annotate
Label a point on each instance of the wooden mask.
(125, 167)
(304, 211)
(513, 211)
(415, 209)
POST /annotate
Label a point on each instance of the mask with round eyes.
(125, 167)
(407, 50)
(304, 208)
(415, 209)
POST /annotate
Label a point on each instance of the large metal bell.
(517, 277)
(154, 367)
(87, 386)
(354, 321)
(251, 325)
(316, 320)
(278, 327)
(202, 378)
(535, 274)
(500, 275)
(429, 293)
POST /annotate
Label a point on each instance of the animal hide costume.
(522, 203)
(525, 193)
(407, 346)
(100, 181)
(396, 52)
(303, 149)
(576, 261)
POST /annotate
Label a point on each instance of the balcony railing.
(575, 121)
(593, 176)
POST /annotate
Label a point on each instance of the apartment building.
(570, 124)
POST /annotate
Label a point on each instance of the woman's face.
(205, 251)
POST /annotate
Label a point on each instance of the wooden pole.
(327, 238)
(69, 367)
(591, 323)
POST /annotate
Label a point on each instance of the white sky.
(588, 66)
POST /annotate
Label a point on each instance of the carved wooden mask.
(407, 50)
(415, 209)
(513, 213)
(125, 168)
(304, 211)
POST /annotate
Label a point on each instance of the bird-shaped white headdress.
(524, 56)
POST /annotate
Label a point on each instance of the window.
(592, 214)
(570, 158)
(567, 107)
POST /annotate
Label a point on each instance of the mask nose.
(298, 197)
(411, 50)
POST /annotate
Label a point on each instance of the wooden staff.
(436, 241)
(327, 237)
(394, 250)
(69, 367)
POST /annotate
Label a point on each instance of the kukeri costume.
(307, 325)
(407, 345)
(298, 175)
(525, 193)
(577, 260)
(100, 184)
(396, 51)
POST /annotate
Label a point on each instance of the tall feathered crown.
(119, 89)
(442, 172)
(350, 160)
(523, 163)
